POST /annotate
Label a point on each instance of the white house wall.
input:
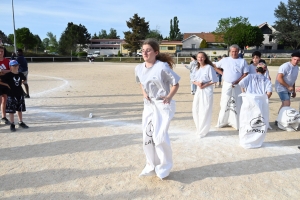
(193, 40)
(266, 42)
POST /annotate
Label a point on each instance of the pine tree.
(139, 30)
(203, 44)
(175, 33)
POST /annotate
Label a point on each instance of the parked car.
(110, 55)
(139, 54)
(89, 55)
(53, 53)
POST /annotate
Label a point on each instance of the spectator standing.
(15, 98)
(23, 68)
(4, 68)
(191, 67)
(241, 54)
(219, 75)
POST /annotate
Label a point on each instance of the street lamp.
(12, 5)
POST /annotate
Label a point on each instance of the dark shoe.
(4, 120)
(276, 123)
(12, 128)
(23, 125)
(27, 96)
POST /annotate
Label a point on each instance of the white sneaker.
(147, 171)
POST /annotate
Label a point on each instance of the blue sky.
(42, 16)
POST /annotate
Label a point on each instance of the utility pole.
(15, 42)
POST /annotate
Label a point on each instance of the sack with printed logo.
(288, 119)
(254, 120)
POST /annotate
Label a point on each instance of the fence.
(177, 60)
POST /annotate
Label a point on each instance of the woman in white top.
(191, 67)
(159, 83)
(204, 78)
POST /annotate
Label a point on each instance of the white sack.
(230, 106)
(156, 142)
(288, 119)
(254, 120)
(202, 109)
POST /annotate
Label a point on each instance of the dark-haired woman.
(204, 78)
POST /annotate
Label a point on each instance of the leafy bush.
(82, 54)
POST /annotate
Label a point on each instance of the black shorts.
(14, 104)
(3, 89)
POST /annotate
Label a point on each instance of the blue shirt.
(23, 66)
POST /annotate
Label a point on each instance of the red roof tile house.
(193, 40)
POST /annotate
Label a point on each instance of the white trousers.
(230, 106)
(202, 109)
(156, 143)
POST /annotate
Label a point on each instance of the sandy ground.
(66, 155)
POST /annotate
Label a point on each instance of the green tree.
(224, 24)
(46, 42)
(113, 34)
(95, 36)
(244, 35)
(155, 34)
(38, 43)
(5, 39)
(74, 38)
(102, 34)
(25, 39)
(203, 44)
(11, 38)
(175, 33)
(139, 30)
(287, 24)
(53, 44)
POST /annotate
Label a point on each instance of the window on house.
(170, 48)
(268, 47)
(163, 48)
(193, 46)
(270, 38)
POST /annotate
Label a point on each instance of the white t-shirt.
(252, 70)
(233, 68)
(290, 74)
(157, 79)
(192, 66)
(205, 74)
(256, 84)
